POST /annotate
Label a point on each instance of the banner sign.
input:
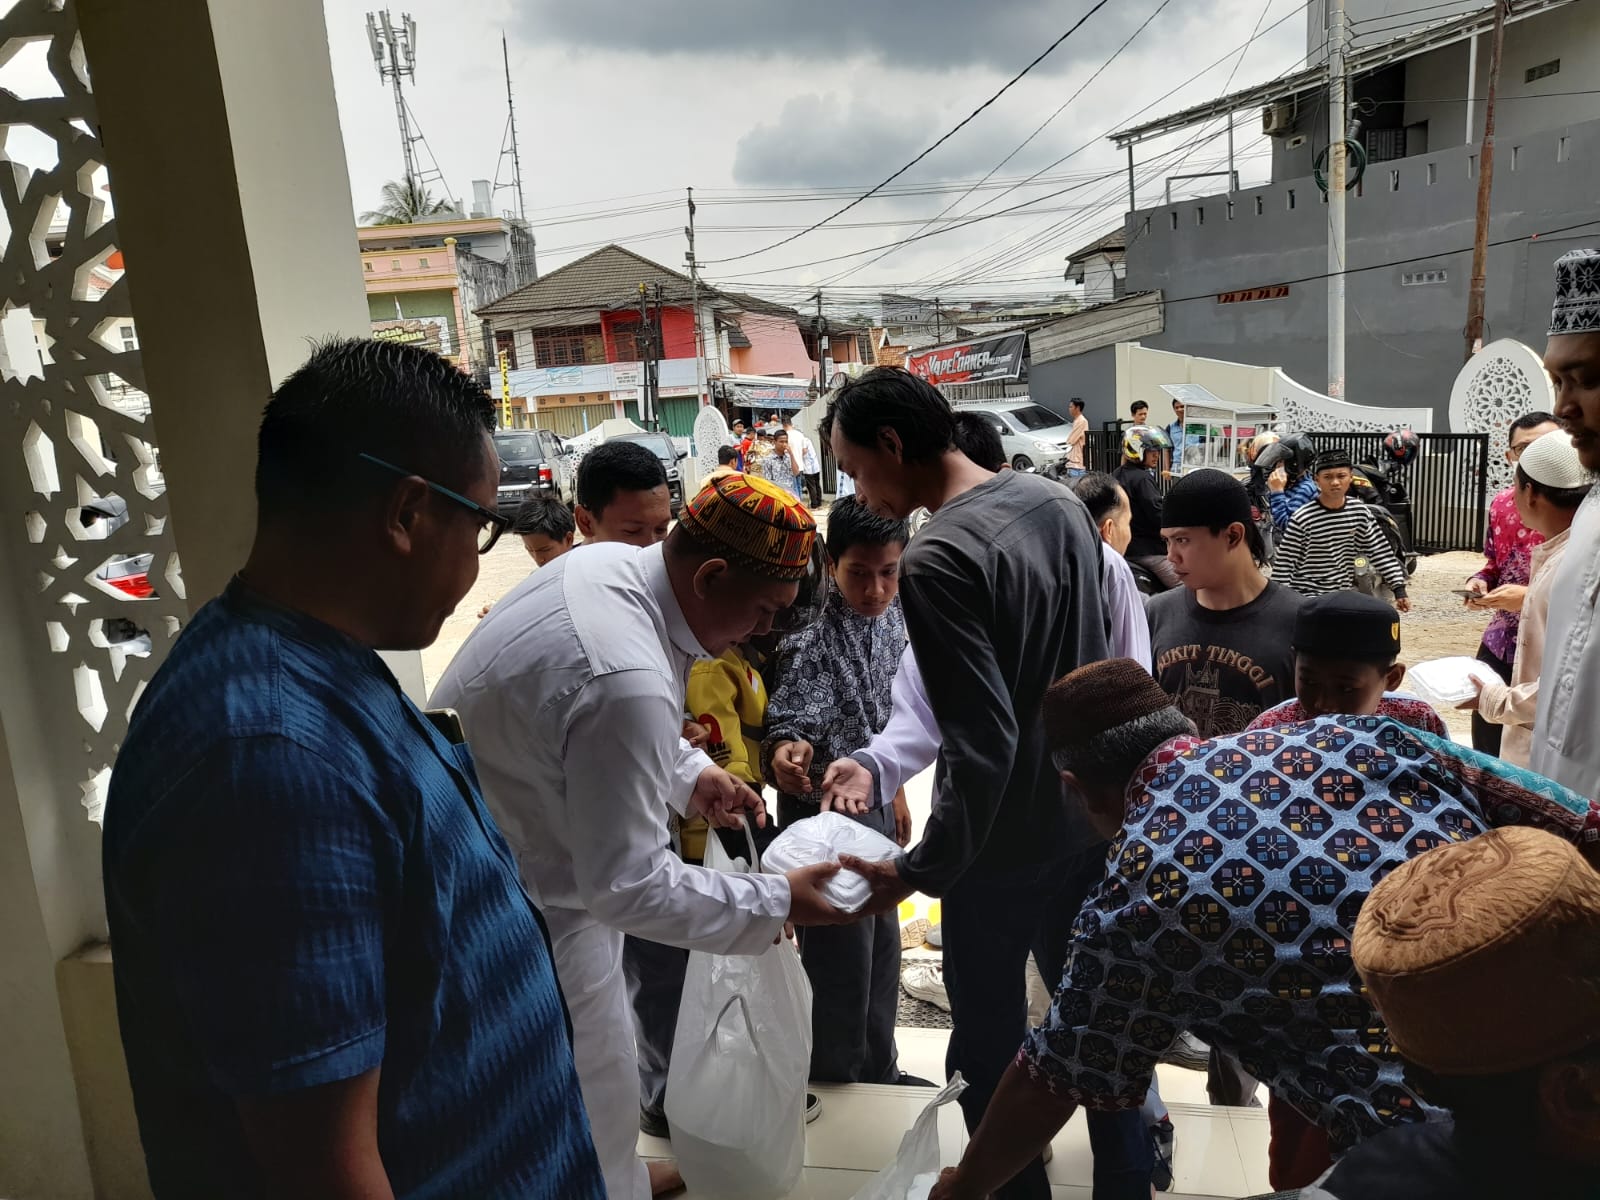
(978, 361)
(1252, 295)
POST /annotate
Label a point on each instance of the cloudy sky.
(779, 113)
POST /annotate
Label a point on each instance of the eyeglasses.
(491, 524)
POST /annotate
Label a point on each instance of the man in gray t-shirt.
(1001, 590)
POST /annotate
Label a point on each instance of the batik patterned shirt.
(1231, 897)
(834, 683)
(1508, 552)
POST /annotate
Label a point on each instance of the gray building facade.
(1242, 276)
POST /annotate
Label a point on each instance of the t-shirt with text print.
(1223, 669)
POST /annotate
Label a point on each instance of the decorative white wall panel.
(1501, 382)
(63, 373)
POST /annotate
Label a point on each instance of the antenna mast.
(511, 112)
(394, 52)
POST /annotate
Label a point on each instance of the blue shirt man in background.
(330, 981)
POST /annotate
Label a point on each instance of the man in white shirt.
(571, 692)
(810, 461)
(1565, 747)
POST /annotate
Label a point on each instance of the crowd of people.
(367, 949)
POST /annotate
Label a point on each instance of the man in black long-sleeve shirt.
(1001, 591)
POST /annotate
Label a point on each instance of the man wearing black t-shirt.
(1222, 643)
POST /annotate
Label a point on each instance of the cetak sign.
(1253, 295)
(981, 361)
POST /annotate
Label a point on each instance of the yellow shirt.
(727, 695)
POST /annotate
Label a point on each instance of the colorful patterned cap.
(753, 523)
(1484, 956)
(1577, 307)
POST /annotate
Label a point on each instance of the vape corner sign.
(979, 361)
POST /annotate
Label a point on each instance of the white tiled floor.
(1219, 1152)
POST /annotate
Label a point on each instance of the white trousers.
(589, 965)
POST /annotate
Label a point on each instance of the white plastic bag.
(736, 1086)
(916, 1166)
(822, 839)
(1446, 682)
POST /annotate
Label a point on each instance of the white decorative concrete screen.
(84, 493)
(711, 433)
(1313, 412)
(1503, 381)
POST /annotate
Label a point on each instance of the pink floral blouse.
(1508, 547)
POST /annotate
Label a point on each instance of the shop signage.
(978, 361)
(1250, 295)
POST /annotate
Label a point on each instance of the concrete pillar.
(217, 122)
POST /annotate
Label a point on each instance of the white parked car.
(1031, 434)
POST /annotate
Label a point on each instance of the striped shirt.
(1319, 550)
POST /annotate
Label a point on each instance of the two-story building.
(577, 342)
(1241, 275)
(425, 279)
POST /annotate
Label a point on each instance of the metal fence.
(1447, 484)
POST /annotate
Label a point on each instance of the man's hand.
(696, 734)
(722, 800)
(1477, 688)
(888, 889)
(847, 787)
(1402, 604)
(950, 1187)
(807, 904)
(1508, 597)
(902, 819)
(1278, 480)
(791, 767)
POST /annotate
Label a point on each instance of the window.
(505, 342)
(1199, 216)
(1230, 210)
(1424, 278)
(1291, 197)
(1394, 181)
(568, 346)
(1261, 205)
(368, 266)
(1563, 149)
(1174, 217)
(1516, 154)
(1542, 71)
(130, 342)
(1472, 166)
(422, 262)
(631, 342)
(394, 264)
(1433, 174)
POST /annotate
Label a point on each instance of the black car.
(667, 451)
(530, 464)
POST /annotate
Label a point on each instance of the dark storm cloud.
(998, 34)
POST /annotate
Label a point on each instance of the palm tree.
(405, 203)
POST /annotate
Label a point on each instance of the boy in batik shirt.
(831, 693)
(1347, 650)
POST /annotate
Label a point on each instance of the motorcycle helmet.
(1140, 439)
(1401, 447)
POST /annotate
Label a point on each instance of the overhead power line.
(964, 122)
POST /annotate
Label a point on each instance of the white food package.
(822, 839)
(916, 1166)
(736, 1085)
(1446, 682)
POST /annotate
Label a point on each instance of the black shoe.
(904, 1080)
(654, 1124)
(1161, 1139)
(813, 1107)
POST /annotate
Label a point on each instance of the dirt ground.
(1438, 625)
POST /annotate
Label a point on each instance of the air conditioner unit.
(1277, 119)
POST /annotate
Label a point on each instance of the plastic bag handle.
(744, 1007)
(750, 843)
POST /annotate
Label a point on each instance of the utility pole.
(511, 112)
(1480, 238)
(394, 51)
(642, 345)
(819, 328)
(657, 353)
(938, 321)
(1338, 131)
(1132, 200)
(694, 299)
